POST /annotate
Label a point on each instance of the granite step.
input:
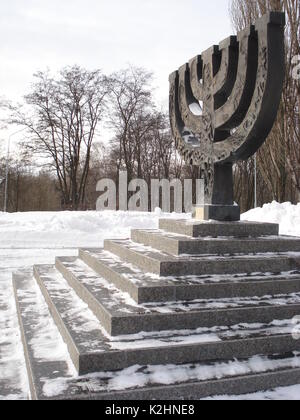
(147, 288)
(147, 383)
(92, 350)
(44, 350)
(120, 315)
(52, 374)
(178, 245)
(163, 264)
(196, 229)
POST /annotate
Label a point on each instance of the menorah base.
(219, 213)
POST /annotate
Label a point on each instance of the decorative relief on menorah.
(223, 105)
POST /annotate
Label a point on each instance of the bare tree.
(62, 116)
(28, 189)
(130, 116)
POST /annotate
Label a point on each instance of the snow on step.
(163, 264)
(195, 228)
(52, 374)
(145, 376)
(203, 335)
(179, 245)
(76, 314)
(82, 325)
(123, 304)
(90, 347)
(143, 279)
(13, 380)
(45, 351)
(147, 287)
(120, 315)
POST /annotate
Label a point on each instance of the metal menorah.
(223, 105)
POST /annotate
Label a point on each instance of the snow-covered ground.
(72, 229)
(286, 215)
(37, 238)
(89, 229)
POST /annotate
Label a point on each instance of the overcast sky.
(108, 34)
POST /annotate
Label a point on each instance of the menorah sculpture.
(223, 105)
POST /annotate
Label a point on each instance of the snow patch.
(73, 229)
(286, 215)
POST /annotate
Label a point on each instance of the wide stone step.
(146, 383)
(163, 264)
(52, 374)
(120, 315)
(148, 288)
(91, 350)
(214, 229)
(45, 353)
(178, 245)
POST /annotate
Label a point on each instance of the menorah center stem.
(218, 196)
(222, 191)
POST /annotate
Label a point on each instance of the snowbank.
(286, 215)
(89, 229)
(72, 229)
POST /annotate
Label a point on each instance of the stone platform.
(187, 311)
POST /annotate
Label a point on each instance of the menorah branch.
(223, 105)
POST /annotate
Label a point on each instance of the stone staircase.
(184, 312)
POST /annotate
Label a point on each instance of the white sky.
(108, 34)
(159, 35)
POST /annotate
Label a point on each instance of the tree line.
(278, 161)
(81, 126)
